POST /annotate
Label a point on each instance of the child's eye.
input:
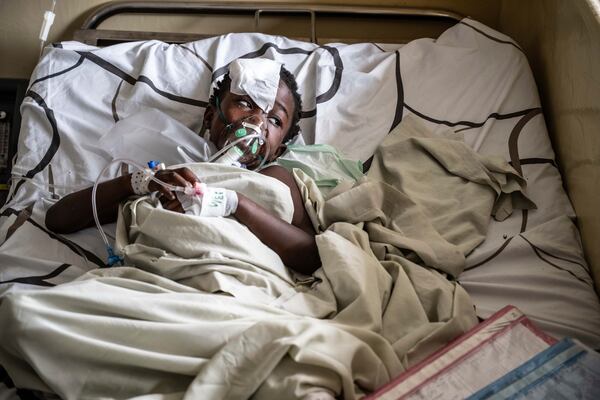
(275, 121)
(244, 103)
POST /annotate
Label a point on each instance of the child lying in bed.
(294, 242)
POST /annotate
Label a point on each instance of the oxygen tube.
(112, 257)
(232, 145)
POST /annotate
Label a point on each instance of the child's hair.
(288, 78)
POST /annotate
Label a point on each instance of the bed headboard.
(316, 23)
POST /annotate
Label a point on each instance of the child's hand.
(177, 177)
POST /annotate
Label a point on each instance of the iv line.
(46, 25)
(112, 258)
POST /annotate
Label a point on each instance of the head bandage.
(257, 78)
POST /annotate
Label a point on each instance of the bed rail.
(318, 16)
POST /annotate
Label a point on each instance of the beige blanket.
(428, 198)
(211, 312)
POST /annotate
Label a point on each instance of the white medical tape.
(140, 180)
(257, 78)
(214, 202)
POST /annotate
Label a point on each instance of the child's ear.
(209, 113)
(207, 122)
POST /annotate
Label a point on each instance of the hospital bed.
(449, 72)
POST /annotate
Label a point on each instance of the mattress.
(471, 79)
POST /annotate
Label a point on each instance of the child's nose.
(258, 118)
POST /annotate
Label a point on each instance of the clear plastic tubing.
(165, 184)
(230, 145)
(95, 188)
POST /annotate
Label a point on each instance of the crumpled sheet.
(211, 312)
(427, 197)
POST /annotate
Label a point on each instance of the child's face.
(276, 123)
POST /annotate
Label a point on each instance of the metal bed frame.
(90, 34)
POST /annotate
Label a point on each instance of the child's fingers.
(172, 205)
(165, 193)
(169, 177)
(188, 175)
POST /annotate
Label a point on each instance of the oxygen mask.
(246, 145)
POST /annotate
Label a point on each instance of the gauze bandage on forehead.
(257, 78)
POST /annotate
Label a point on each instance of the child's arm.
(73, 212)
(295, 242)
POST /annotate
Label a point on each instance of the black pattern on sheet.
(495, 39)
(471, 124)
(86, 254)
(400, 96)
(108, 67)
(170, 96)
(379, 47)
(54, 143)
(18, 185)
(524, 218)
(536, 160)
(208, 66)
(9, 211)
(513, 150)
(142, 78)
(322, 98)
(113, 103)
(337, 79)
(308, 114)
(39, 280)
(538, 252)
(516, 162)
(21, 218)
(527, 161)
(494, 255)
(513, 140)
(64, 71)
(560, 258)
